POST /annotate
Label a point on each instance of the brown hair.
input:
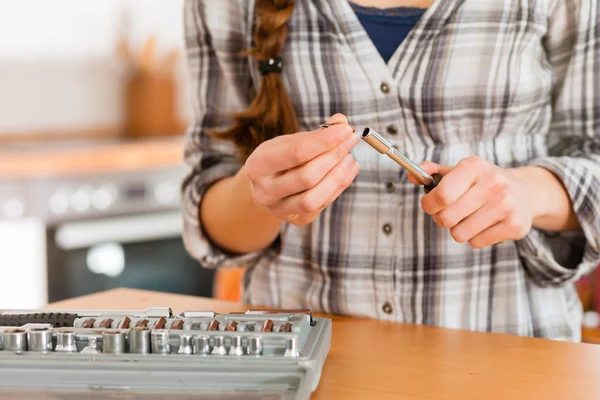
(271, 112)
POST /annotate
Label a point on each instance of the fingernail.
(324, 126)
(347, 161)
(353, 128)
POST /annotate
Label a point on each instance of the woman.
(501, 98)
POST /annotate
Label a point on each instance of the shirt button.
(387, 308)
(391, 187)
(392, 129)
(387, 229)
(385, 88)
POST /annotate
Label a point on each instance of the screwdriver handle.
(57, 320)
(437, 178)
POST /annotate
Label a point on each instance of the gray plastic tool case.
(77, 354)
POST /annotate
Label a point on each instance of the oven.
(143, 251)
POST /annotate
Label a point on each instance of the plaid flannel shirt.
(515, 82)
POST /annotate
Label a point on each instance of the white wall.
(58, 64)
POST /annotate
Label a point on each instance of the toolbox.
(153, 354)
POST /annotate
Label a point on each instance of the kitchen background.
(93, 107)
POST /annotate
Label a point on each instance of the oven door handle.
(130, 229)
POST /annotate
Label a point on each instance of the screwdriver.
(384, 147)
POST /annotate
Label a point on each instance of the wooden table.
(378, 360)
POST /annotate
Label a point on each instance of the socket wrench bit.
(219, 348)
(214, 325)
(160, 324)
(139, 340)
(291, 347)
(236, 348)
(232, 326)
(66, 342)
(113, 342)
(267, 326)
(142, 323)
(40, 340)
(185, 344)
(107, 323)
(125, 323)
(88, 324)
(92, 347)
(202, 345)
(177, 325)
(255, 346)
(161, 342)
(15, 340)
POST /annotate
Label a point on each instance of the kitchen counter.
(378, 360)
(43, 160)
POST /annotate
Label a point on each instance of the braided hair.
(271, 113)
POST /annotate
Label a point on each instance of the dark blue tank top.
(388, 27)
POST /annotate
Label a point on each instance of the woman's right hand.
(297, 176)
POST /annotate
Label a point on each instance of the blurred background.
(93, 108)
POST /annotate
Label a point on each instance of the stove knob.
(80, 201)
(58, 203)
(104, 197)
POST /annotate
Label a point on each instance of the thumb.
(337, 119)
(430, 168)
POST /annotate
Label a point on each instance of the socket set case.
(153, 354)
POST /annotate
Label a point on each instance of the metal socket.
(66, 342)
(291, 347)
(236, 349)
(92, 347)
(202, 345)
(40, 340)
(15, 340)
(376, 141)
(185, 344)
(113, 342)
(219, 348)
(139, 340)
(161, 342)
(255, 346)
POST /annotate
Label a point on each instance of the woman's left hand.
(479, 202)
